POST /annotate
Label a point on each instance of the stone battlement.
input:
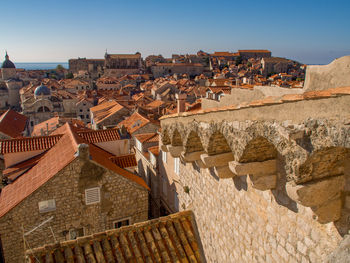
(296, 146)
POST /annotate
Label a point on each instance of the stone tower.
(13, 84)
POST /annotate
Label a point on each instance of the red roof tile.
(147, 137)
(28, 144)
(13, 123)
(124, 161)
(134, 122)
(100, 135)
(154, 150)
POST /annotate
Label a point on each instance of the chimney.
(181, 100)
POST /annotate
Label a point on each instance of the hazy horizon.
(43, 31)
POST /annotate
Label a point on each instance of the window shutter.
(92, 195)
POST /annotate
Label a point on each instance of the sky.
(309, 31)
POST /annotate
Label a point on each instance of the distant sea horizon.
(40, 65)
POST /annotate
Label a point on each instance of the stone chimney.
(181, 100)
(83, 151)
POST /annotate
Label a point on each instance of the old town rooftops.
(173, 238)
(52, 162)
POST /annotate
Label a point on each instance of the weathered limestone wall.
(267, 183)
(335, 74)
(238, 95)
(238, 223)
(120, 198)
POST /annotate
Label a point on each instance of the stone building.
(122, 64)
(164, 69)
(13, 84)
(93, 67)
(267, 180)
(275, 65)
(254, 53)
(71, 189)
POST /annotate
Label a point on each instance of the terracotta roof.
(100, 135)
(147, 137)
(254, 51)
(154, 150)
(134, 122)
(167, 239)
(155, 104)
(46, 126)
(53, 161)
(333, 92)
(13, 123)
(223, 54)
(105, 110)
(127, 56)
(28, 144)
(18, 169)
(124, 161)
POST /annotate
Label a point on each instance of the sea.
(40, 65)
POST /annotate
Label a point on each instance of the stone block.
(328, 212)
(223, 172)
(256, 168)
(264, 182)
(191, 157)
(164, 148)
(316, 193)
(217, 159)
(175, 151)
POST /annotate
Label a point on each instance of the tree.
(60, 67)
(69, 75)
(239, 60)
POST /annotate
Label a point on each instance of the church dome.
(42, 90)
(7, 63)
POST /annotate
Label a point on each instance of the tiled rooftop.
(28, 144)
(134, 122)
(100, 135)
(147, 137)
(124, 161)
(167, 239)
(13, 123)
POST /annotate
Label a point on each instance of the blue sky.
(310, 31)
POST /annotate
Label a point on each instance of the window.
(81, 110)
(120, 223)
(75, 233)
(81, 116)
(87, 116)
(177, 165)
(139, 145)
(92, 196)
(47, 206)
(164, 157)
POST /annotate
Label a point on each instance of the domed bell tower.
(13, 84)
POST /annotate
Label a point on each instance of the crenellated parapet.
(308, 136)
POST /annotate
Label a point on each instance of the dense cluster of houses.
(81, 155)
